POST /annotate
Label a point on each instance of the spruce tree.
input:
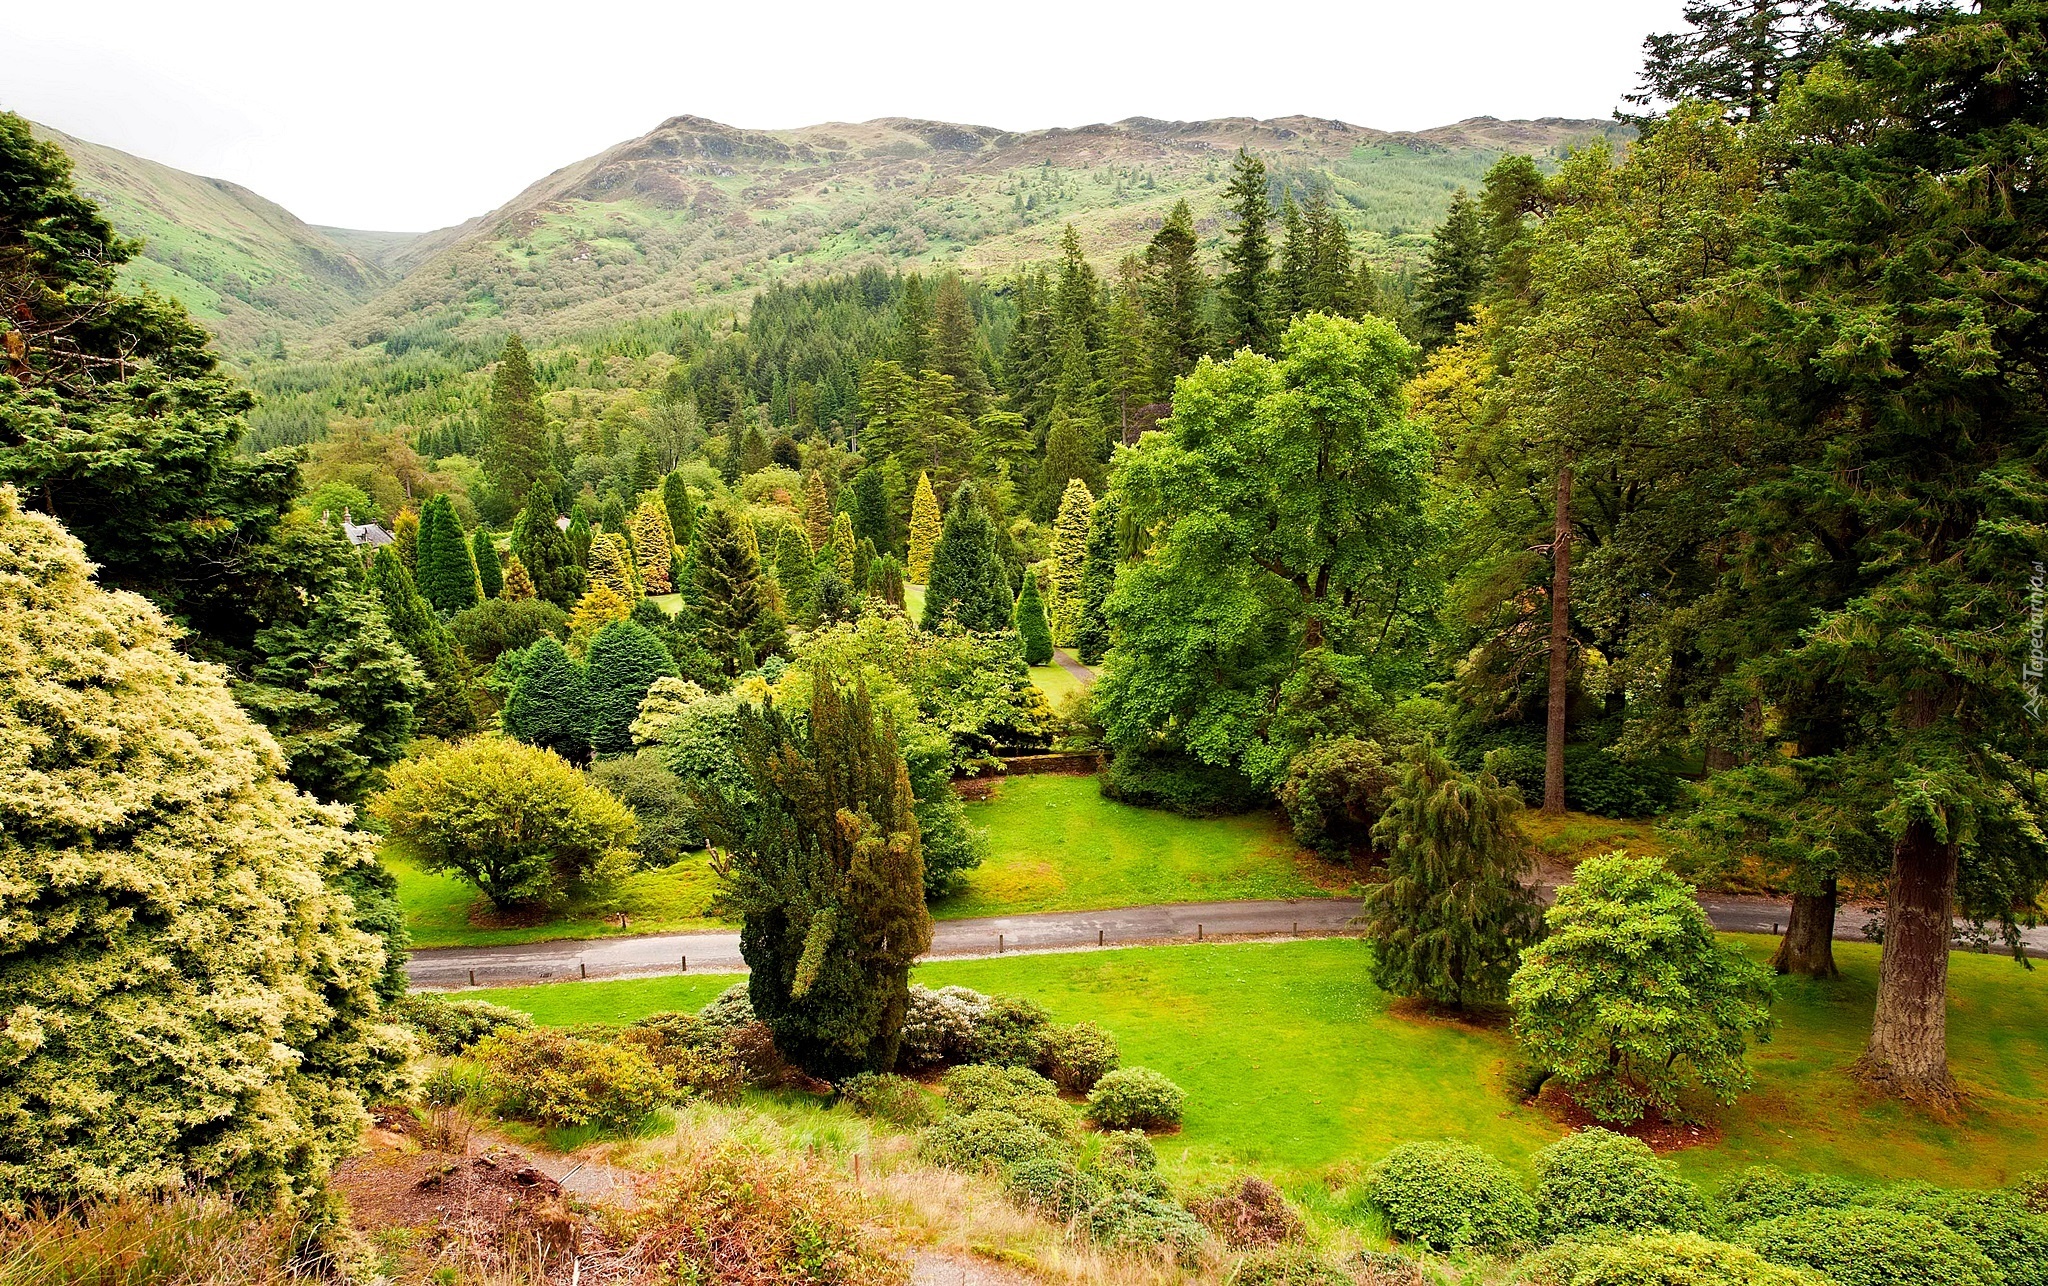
(924, 530)
(956, 347)
(1738, 53)
(622, 662)
(1328, 286)
(1453, 272)
(1176, 301)
(741, 628)
(445, 710)
(1297, 256)
(544, 551)
(754, 452)
(1247, 313)
(490, 573)
(1069, 558)
(967, 581)
(447, 574)
(913, 346)
(550, 704)
(1030, 623)
(654, 544)
(1070, 456)
(826, 869)
(1098, 577)
(1450, 922)
(871, 508)
(518, 585)
(681, 509)
(516, 443)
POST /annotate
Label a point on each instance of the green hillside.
(695, 211)
(246, 267)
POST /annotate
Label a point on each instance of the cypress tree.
(1452, 272)
(611, 567)
(741, 628)
(580, 535)
(1069, 556)
(871, 507)
(1247, 285)
(886, 580)
(599, 607)
(681, 509)
(545, 553)
(967, 581)
(654, 544)
(863, 564)
(516, 444)
(447, 574)
(490, 573)
(827, 872)
(1176, 292)
(445, 710)
(518, 585)
(924, 530)
(405, 537)
(796, 570)
(842, 549)
(1030, 623)
(623, 661)
(817, 510)
(550, 704)
(1098, 577)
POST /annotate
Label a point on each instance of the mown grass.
(442, 910)
(1054, 681)
(1055, 844)
(1295, 1064)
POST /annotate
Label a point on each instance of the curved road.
(652, 955)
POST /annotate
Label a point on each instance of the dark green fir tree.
(967, 581)
(447, 574)
(741, 627)
(490, 573)
(623, 661)
(550, 704)
(1033, 630)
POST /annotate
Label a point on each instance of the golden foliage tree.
(924, 529)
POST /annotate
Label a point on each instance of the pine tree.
(740, 627)
(1176, 291)
(817, 510)
(827, 872)
(1453, 272)
(622, 662)
(490, 573)
(1098, 577)
(681, 509)
(1247, 284)
(447, 575)
(445, 710)
(654, 544)
(545, 553)
(924, 530)
(518, 585)
(1030, 624)
(1069, 559)
(1450, 922)
(1738, 53)
(550, 704)
(516, 443)
(967, 581)
(871, 508)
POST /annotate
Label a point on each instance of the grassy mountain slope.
(246, 267)
(694, 211)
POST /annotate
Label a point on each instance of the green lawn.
(1054, 682)
(1055, 844)
(1294, 1063)
(913, 601)
(443, 911)
(670, 603)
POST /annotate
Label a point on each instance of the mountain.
(695, 211)
(247, 267)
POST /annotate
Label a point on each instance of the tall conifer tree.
(1176, 301)
(516, 443)
(1247, 282)
(490, 573)
(967, 581)
(924, 530)
(741, 627)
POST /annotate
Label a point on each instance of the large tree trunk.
(1908, 1053)
(1560, 645)
(1809, 944)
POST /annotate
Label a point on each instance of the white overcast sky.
(409, 116)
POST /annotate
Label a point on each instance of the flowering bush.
(940, 1026)
(1136, 1098)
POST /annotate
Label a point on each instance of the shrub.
(499, 625)
(1656, 1259)
(696, 1056)
(1766, 1192)
(660, 803)
(1126, 1151)
(448, 1027)
(1451, 1196)
(1011, 1032)
(975, 1086)
(1864, 1247)
(1632, 999)
(1077, 1055)
(986, 1139)
(1052, 1117)
(732, 1007)
(1136, 1098)
(1290, 1266)
(1598, 1178)
(1053, 1187)
(2032, 1190)
(1997, 1223)
(732, 1214)
(551, 1078)
(1385, 1268)
(1139, 1221)
(1251, 1213)
(753, 1045)
(939, 1026)
(1179, 782)
(1335, 793)
(888, 1098)
(181, 1239)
